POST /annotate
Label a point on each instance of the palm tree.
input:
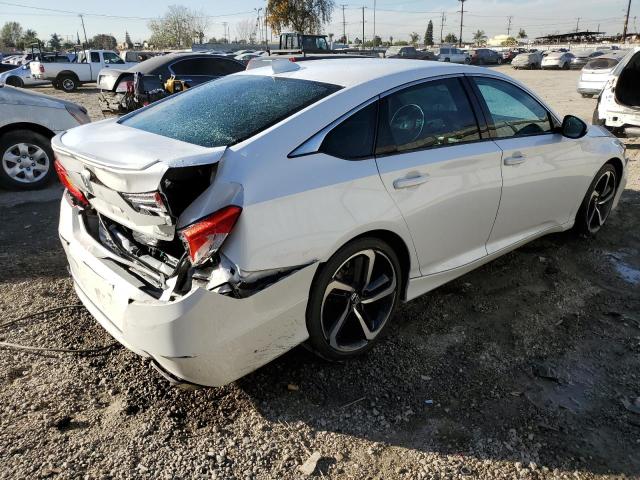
(479, 37)
(414, 38)
(522, 34)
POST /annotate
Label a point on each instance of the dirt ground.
(525, 368)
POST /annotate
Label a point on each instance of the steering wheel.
(407, 123)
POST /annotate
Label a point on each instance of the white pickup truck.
(69, 76)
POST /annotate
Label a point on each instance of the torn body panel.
(202, 337)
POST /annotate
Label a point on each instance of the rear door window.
(513, 111)
(95, 57)
(430, 114)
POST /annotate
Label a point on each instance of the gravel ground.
(524, 368)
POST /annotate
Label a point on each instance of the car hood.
(18, 96)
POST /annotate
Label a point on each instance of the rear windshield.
(601, 63)
(229, 110)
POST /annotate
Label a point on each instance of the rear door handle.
(515, 159)
(408, 182)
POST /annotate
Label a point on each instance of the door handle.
(515, 159)
(408, 182)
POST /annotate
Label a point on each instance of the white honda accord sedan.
(302, 202)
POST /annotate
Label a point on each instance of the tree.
(522, 34)
(391, 40)
(401, 43)
(29, 37)
(67, 45)
(303, 16)
(377, 41)
(176, 29)
(428, 36)
(10, 34)
(479, 37)
(201, 22)
(509, 42)
(104, 41)
(55, 41)
(246, 30)
(451, 38)
(414, 37)
(343, 40)
(127, 40)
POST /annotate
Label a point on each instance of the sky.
(392, 18)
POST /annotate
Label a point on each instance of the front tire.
(598, 201)
(26, 160)
(352, 298)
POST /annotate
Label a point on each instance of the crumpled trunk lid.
(108, 162)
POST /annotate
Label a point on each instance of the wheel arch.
(395, 241)
(34, 127)
(67, 73)
(618, 165)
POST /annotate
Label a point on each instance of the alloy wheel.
(25, 162)
(601, 201)
(68, 84)
(358, 300)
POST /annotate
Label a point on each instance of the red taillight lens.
(203, 238)
(66, 181)
(126, 86)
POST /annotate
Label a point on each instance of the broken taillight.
(204, 237)
(126, 86)
(66, 181)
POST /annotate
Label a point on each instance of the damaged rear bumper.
(203, 337)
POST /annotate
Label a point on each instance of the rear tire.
(353, 296)
(29, 150)
(15, 82)
(68, 83)
(598, 201)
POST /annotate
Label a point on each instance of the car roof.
(363, 70)
(151, 64)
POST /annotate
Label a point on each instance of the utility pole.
(344, 25)
(578, 25)
(224, 26)
(442, 26)
(266, 25)
(461, 20)
(626, 23)
(363, 28)
(85, 31)
(509, 26)
(373, 43)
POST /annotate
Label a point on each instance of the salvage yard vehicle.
(21, 77)
(69, 76)
(596, 72)
(618, 107)
(557, 60)
(323, 198)
(408, 52)
(582, 57)
(27, 123)
(453, 55)
(485, 56)
(119, 94)
(532, 61)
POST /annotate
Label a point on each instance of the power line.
(106, 15)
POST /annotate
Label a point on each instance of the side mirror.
(25, 67)
(573, 127)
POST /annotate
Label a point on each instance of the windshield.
(229, 110)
